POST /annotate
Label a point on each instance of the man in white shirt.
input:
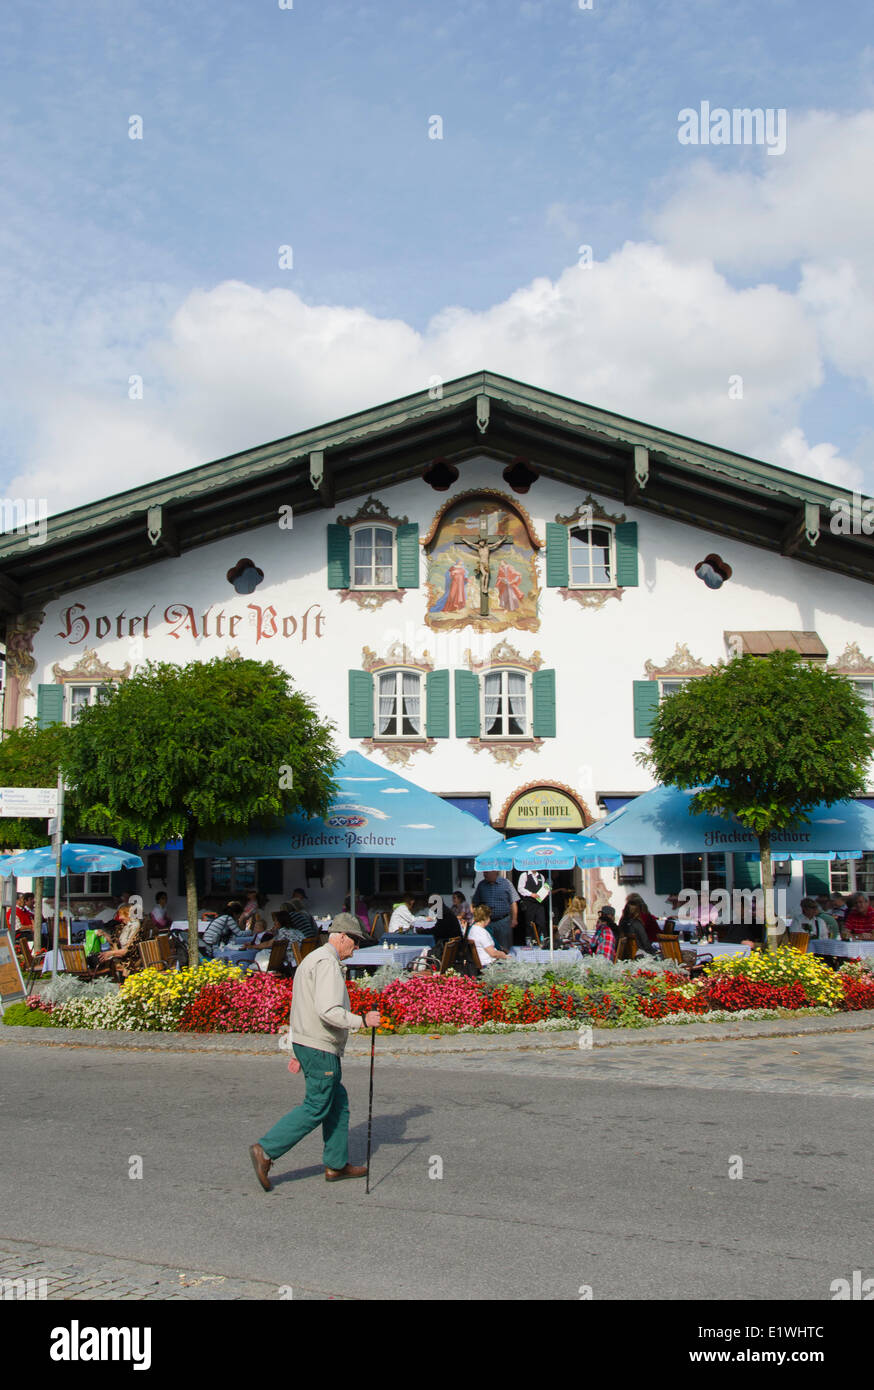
(532, 907)
(402, 918)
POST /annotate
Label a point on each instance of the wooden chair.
(379, 925)
(311, 944)
(670, 947)
(276, 963)
(76, 964)
(474, 966)
(450, 951)
(627, 948)
(151, 955)
(799, 941)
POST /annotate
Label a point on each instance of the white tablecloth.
(717, 948)
(183, 927)
(534, 956)
(841, 948)
(375, 955)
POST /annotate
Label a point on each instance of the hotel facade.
(487, 587)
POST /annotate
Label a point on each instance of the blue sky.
(264, 127)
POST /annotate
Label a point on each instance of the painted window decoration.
(505, 704)
(373, 557)
(592, 563)
(661, 682)
(399, 705)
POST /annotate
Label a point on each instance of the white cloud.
(655, 331)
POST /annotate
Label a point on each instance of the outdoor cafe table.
(853, 949)
(373, 956)
(406, 938)
(534, 956)
(716, 948)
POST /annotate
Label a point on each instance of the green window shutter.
(668, 871)
(199, 878)
(364, 876)
(626, 554)
(360, 704)
(408, 556)
(747, 872)
(543, 700)
(438, 876)
(49, 705)
(437, 697)
(338, 557)
(646, 704)
(557, 561)
(269, 877)
(466, 705)
(817, 879)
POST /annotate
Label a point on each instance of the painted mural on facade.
(482, 571)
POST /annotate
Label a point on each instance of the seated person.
(603, 940)
(284, 929)
(402, 917)
(631, 923)
(824, 910)
(461, 908)
(446, 925)
(572, 927)
(859, 920)
(362, 911)
(486, 950)
(123, 953)
(813, 921)
(223, 929)
(159, 914)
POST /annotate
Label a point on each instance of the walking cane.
(370, 1108)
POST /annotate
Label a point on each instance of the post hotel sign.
(543, 808)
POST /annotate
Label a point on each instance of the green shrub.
(29, 1018)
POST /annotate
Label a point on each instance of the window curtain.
(492, 702)
(516, 700)
(364, 556)
(382, 556)
(411, 705)
(387, 697)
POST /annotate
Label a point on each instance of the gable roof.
(649, 468)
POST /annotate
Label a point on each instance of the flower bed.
(217, 997)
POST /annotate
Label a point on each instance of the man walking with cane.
(320, 1024)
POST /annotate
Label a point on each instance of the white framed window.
(88, 885)
(373, 557)
(592, 557)
(506, 704)
(670, 687)
(399, 876)
(76, 697)
(399, 704)
(232, 876)
(865, 687)
(852, 875)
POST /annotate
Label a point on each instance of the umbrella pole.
(352, 885)
(59, 829)
(551, 942)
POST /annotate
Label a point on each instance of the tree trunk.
(771, 931)
(190, 895)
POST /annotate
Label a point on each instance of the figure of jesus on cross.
(484, 547)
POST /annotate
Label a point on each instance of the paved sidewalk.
(80, 1274)
(436, 1045)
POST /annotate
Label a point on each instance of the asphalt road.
(608, 1170)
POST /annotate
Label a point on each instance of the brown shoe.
(350, 1171)
(262, 1165)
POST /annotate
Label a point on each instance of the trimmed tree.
(204, 751)
(31, 757)
(776, 734)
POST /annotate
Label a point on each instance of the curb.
(420, 1044)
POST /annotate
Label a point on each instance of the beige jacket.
(320, 1014)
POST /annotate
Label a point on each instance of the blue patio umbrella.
(548, 850)
(661, 822)
(375, 813)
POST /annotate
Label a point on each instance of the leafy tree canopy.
(205, 750)
(30, 757)
(778, 733)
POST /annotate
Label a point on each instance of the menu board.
(11, 980)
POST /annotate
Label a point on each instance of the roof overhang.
(669, 475)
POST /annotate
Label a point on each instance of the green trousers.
(326, 1104)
